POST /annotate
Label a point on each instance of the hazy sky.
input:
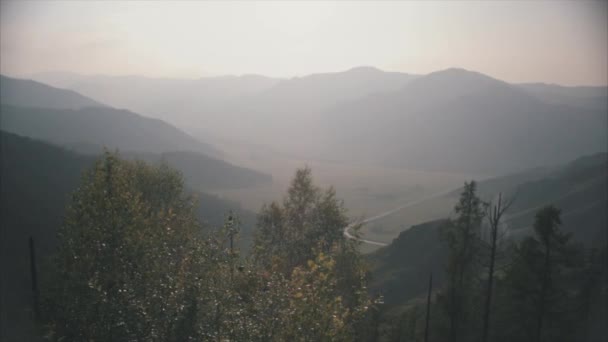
(555, 42)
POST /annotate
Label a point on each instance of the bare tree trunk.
(543, 293)
(428, 309)
(34, 277)
(453, 312)
(494, 217)
(486, 315)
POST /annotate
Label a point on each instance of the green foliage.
(126, 255)
(302, 240)
(462, 237)
(578, 189)
(321, 314)
(309, 219)
(134, 264)
(538, 287)
(287, 235)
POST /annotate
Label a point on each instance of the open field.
(366, 190)
(389, 227)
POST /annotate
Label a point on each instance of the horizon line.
(31, 76)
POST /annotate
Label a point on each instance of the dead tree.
(494, 215)
(428, 309)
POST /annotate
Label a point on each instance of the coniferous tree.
(494, 215)
(462, 235)
(537, 282)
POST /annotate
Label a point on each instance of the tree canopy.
(134, 264)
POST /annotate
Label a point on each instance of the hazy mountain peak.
(364, 69)
(358, 71)
(461, 75)
(455, 83)
(257, 77)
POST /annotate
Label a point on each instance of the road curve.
(347, 229)
(508, 218)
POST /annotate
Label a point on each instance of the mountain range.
(457, 120)
(86, 126)
(17, 92)
(451, 120)
(64, 117)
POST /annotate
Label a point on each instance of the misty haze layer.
(451, 120)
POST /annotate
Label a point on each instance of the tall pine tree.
(461, 234)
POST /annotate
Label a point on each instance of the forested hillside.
(37, 182)
(400, 271)
(100, 126)
(64, 117)
(200, 171)
(130, 231)
(577, 188)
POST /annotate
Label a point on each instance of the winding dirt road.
(347, 229)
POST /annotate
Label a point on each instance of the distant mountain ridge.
(456, 83)
(102, 126)
(62, 116)
(87, 129)
(205, 173)
(200, 172)
(177, 101)
(27, 93)
(327, 89)
(457, 120)
(451, 120)
(581, 96)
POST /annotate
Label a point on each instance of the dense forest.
(492, 287)
(134, 262)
